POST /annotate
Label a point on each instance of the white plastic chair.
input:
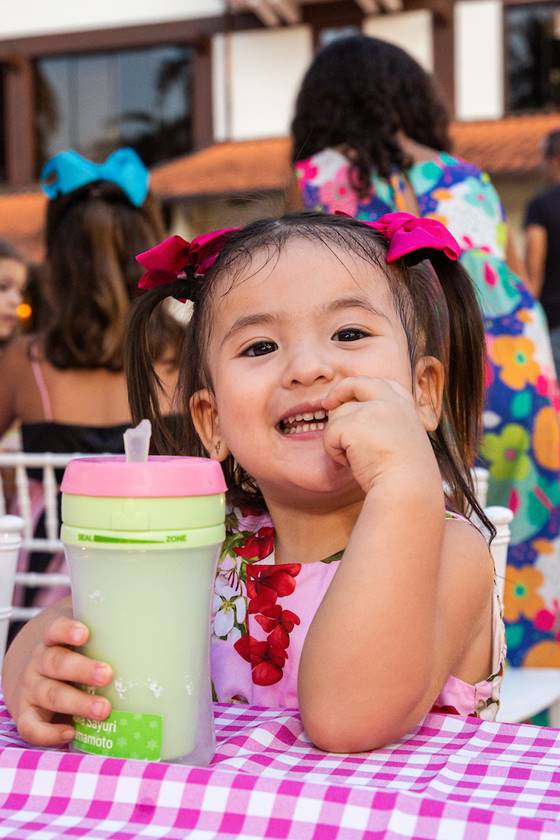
(48, 462)
(11, 528)
(525, 692)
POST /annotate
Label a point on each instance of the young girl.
(336, 370)
(65, 386)
(13, 278)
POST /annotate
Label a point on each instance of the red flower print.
(265, 584)
(267, 660)
(250, 511)
(544, 620)
(260, 545)
(513, 501)
(490, 274)
(278, 623)
(445, 710)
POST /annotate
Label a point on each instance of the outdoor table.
(451, 778)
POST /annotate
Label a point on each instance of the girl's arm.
(38, 667)
(9, 366)
(410, 597)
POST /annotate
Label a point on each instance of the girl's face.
(281, 338)
(13, 275)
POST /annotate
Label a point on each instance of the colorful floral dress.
(262, 612)
(521, 442)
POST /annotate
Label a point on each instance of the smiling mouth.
(308, 421)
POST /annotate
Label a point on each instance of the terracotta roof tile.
(21, 222)
(247, 166)
(510, 145)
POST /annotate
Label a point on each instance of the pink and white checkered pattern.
(453, 778)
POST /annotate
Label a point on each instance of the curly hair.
(358, 93)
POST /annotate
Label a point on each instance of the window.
(2, 127)
(95, 102)
(533, 56)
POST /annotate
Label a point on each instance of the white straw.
(137, 441)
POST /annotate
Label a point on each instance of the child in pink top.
(335, 368)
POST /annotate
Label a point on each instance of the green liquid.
(148, 612)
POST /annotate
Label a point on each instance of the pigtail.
(456, 440)
(143, 383)
(465, 386)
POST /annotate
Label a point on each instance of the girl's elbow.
(345, 733)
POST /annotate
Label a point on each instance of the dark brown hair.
(357, 93)
(436, 303)
(8, 252)
(92, 235)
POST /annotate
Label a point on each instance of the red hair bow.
(166, 261)
(407, 233)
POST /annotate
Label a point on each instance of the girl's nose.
(306, 367)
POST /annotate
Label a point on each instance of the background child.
(13, 278)
(337, 373)
(65, 385)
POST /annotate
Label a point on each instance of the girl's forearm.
(377, 626)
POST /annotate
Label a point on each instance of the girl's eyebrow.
(254, 320)
(257, 319)
(354, 303)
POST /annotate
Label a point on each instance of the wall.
(410, 30)
(256, 76)
(479, 74)
(194, 217)
(515, 191)
(38, 17)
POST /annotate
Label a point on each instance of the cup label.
(121, 735)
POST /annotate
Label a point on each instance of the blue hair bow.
(68, 171)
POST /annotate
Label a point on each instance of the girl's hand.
(374, 429)
(45, 693)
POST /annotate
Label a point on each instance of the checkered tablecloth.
(452, 778)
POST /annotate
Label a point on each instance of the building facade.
(175, 77)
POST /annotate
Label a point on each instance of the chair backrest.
(47, 463)
(11, 529)
(501, 518)
(481, 476)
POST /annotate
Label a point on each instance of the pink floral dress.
(262, 612)
(521, 440)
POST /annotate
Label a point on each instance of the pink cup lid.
(161, 475)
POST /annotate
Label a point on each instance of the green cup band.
(125, 540)
(108, 513)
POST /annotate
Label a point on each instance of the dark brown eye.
(260, 348)
(349, 334)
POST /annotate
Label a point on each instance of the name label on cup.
(121, 735)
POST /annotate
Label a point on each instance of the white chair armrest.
(527, 691)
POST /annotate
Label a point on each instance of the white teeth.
(308, 416)
(298, 428)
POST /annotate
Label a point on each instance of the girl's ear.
(429, 380)
(205, 418)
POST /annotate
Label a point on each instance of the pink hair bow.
(164, 263)
(407, 233)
